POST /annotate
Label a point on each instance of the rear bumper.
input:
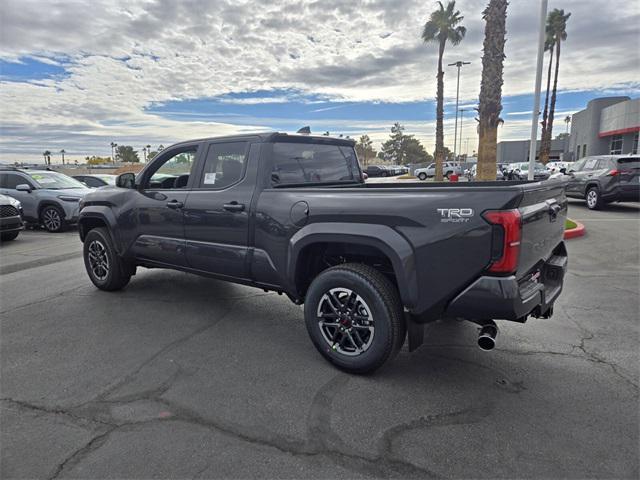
(506, 298)
(623, 193)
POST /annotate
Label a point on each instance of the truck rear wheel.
(354, 317)
(105, 268)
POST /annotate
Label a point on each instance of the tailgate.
(543, 208)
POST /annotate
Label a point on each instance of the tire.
(593, 198)
(376, 300)
(446, 175)
(422, 176)
(105, 268)
(52, 219)
(8, 236)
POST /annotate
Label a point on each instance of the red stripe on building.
(621, 131)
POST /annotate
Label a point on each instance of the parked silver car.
(48, 198)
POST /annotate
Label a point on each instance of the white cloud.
(124, 56)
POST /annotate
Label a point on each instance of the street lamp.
(458, 64)
(533, 145)
(461, 117)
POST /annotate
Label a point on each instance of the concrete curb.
(579, 231)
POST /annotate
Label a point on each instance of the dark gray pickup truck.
(372, 263)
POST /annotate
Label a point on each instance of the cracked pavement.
(181, 376)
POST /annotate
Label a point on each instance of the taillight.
(509, 223)
(613, 173)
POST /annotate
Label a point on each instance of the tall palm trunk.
(439, 153)
(490, 104)
(545, 113)
(544, 158)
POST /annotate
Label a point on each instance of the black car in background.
(96, 180)
(604, 179)
(376, 171)
(10, 218)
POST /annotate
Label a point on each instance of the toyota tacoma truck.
(372, 263)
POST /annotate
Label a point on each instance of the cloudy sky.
(80, 74)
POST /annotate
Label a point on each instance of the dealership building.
(607, 126)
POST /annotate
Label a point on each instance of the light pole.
(536, 97)
(461, 117)
(113, 146)
(458, 64)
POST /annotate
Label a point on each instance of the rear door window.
(604, 163)
(224, 164)
(300, 163)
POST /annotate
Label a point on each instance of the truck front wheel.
(354, 317)
(105, 268)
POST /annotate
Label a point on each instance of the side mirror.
(126, 180)
(364, 175)
(23, 187)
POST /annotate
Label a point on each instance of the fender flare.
(383, 237)
(103, 213)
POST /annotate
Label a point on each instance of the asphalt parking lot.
(184, 377)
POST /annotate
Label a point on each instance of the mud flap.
(415, 332)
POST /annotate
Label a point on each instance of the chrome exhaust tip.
(487, 336)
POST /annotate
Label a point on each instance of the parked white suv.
(430, 171)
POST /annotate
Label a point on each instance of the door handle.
(175, 204)
(234, 206)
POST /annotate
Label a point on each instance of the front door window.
(173, 172)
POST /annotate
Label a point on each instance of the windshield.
(300, 163)
(55, 181)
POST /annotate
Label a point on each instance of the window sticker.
(210, 178)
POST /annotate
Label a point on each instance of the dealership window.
(634, 149)
(584, 150)
(616, 145)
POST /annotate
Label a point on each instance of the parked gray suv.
(604, 179)
(48, 198)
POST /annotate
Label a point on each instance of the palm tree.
(113, 158)
(441, 27)
(363, 147)
(548, 46)
(490, 105)
(557, 26)
(47, 157)
(62, 152)
(567, 121)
